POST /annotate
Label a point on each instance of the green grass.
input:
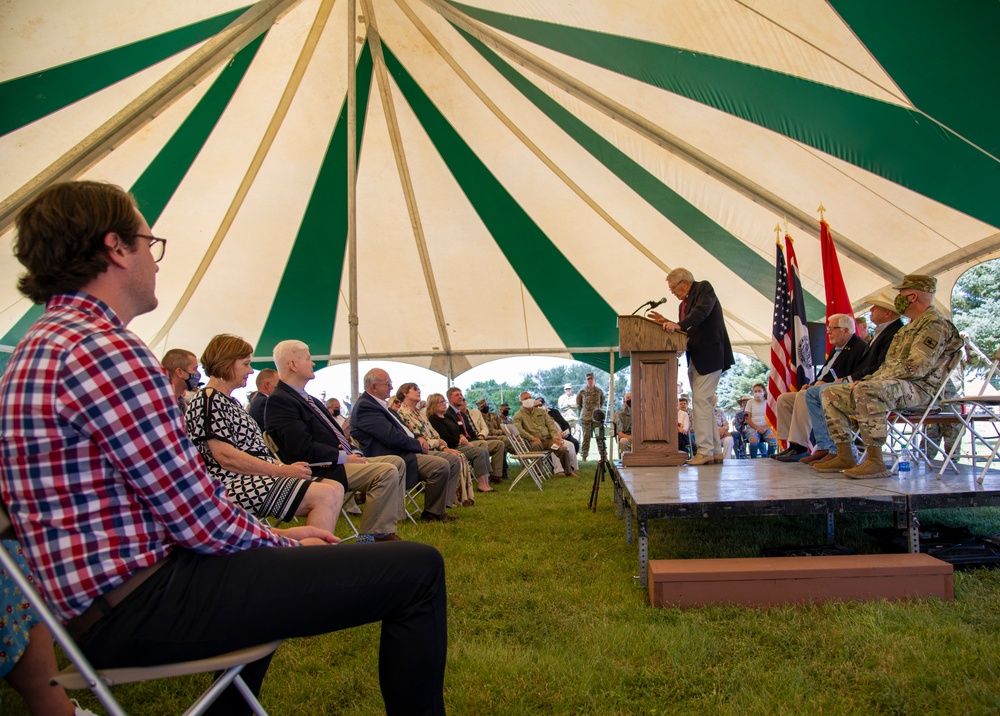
(546, 617)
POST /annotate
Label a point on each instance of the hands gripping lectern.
(654, 354)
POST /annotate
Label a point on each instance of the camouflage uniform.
(588, 400)
(919, 360)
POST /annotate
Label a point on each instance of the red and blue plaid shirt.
(95, 468)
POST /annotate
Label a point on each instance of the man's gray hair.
(286, 351)
(842, 320)
(371, 377)
(678, 275)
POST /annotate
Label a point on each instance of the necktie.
(345, 444)
(684, 304)
(461, 421)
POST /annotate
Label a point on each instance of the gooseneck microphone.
(650, 304)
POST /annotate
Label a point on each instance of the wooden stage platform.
(765, 487)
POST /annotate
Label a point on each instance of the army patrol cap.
(590, 375)
(481, 403)
(918, 282)
(883, 299)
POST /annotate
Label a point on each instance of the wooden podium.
(654, 354)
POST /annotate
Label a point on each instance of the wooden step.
(770, 581)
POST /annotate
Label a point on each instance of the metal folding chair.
(908, 428)
(82, 675)
(533, 463)
(973, 409)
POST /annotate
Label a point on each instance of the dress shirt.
(96, 470)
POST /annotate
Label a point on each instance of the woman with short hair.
(477, 455)
(233, 447)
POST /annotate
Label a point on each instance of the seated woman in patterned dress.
(232, 445)
(408, 397)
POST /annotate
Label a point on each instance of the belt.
(102, 605)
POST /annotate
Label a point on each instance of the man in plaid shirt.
(133, 544)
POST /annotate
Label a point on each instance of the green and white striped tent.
(527, 169)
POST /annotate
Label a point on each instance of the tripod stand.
(604, 465)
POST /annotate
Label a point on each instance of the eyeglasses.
(157, 247)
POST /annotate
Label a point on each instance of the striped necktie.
(345, 444)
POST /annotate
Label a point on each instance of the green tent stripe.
(31, 97)
(591, 321)
(17, 331)
(157, 184)
(733, 253)
(901, 145)
(942, 55)
(305, 304)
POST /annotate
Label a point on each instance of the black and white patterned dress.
(214, 415)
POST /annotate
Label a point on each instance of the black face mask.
(335, 412)
(192, 381)
(505, 412)
(484, 411)
(628, 402)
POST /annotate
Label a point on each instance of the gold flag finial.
(821, 210)
(777, 234)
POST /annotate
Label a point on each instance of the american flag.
(802, 359)
(781, 375)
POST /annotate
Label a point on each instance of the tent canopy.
(527, 169)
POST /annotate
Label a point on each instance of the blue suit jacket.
(301, 435)
(708, 346)
(378, 433)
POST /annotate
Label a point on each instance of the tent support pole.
(352, 198)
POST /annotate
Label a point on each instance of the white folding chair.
(533, 463)
(412, 508)
(82, 675)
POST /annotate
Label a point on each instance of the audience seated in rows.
(458, 413)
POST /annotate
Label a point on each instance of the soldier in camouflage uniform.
(587, 401)
(920, 359)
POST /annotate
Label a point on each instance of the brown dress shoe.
(718, 459)
(700, 460)
(391, 537)
(816, 456)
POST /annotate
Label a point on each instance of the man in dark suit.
(380, 432)
(266, 379)
(887, 324)
(794, 424)
(709, 353)
(304, 430)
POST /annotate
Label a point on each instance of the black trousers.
(198, 606)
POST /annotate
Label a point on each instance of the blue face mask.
(192, 381)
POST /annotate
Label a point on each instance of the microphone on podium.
(650, 304)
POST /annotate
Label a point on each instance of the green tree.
(550, 381)
(975, 305)
(739, 380)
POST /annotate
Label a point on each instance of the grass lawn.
(546, 617)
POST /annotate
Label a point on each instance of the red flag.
(782, 373)
(837, 300)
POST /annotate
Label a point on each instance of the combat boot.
(873, 466)
(843, 461)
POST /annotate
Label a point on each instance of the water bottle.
(904, 463)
